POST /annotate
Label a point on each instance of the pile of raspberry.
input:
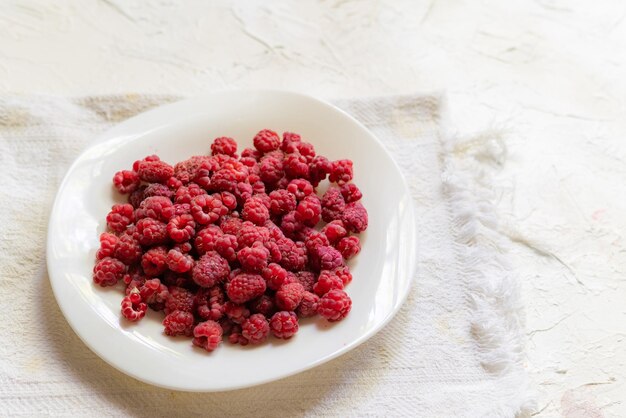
(235, 247)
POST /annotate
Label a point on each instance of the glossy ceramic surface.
(382, 271)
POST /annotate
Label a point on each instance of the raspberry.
(230, 224)
(251, 153)
(148, 158)
(134, 282)
(207, 335)
(309, 210)
(206, 239)
(349, 247)
(354, 217)
(126, 181)
(252, 164)
(340, 172)
(327, 281)
(290, 142)
(275, 275)
(157, 189)
(327, 258)
(343, 272)
(271, 170)
(255, 329)
(120, 217)
(178, 323)
(236, 337)
(203, 177)
(108, 242)
(173, 183)
(183, 247)
(316, 239)
(179, 299)
(318, 169)
(274, 251)
(185, 194)
(224, 145)
(284, 324)
(264, 198)
(210, 303)
(228, 176)
(296, 166)
(155, 207)
(334, 305)
(236, 313)
(243, 192)
(306, 279)
(128, 250)
(281, 184)
(300, 188)
(293, 256)
(290, 225)
(333, 204)
(289, 296)
(151, 232)
(207, 209)
(108, 271)
(133, 307)
(186, 170)
(351, 192)
(136, 197)
(181, 228)
(255, 211)
(245, 287)
(307, 150)
(263, 305)
(210, 269)
(253, 258)
(266, 141)
(308, 305)
(226, 245)
(249, 233)
(334, 231)
(229, 200)
(154, 261)
(153, 291)
(179, 262)
(281, 202)
(155, 171)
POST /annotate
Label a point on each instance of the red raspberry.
(228, 176)
(274, 251)
(230, 224)
(126, 181)
(349, 247)
(128, 250)
(249, 233)
(309, 210)
(263, 305)
(236, 337)
(334, 231)
(207, 209)
(243, 192)
(157, 189)
(253, 258)
(327, 258)
(306, 279)
(210, 303)
(281, 202)
(300, 188)
(307, 150)
(343, 272)
(173, 183)
(290, 225)
(154, 261)
(183, 247)
(155, 171)
(289, 296)
(255, 329)
(228, 200)
(148, 158)
(179, 299)
(271, 170)
(266, 141)
(207, 335)
(133, 307)
(308, 305)
(340, 172)
(305, 233)
(210, 269)
(333, 204)
(251, 153)
(334, 305)
(293, 256)
(181, 228)
(120, 217)
(178, 323)
(153, 291)
(236, 313)
(108, 242)
(185, 194)
(134, 282)
(351, 192)
(278, 154)
(290, 142)
(224, 145)
(203, 177)
(226, 245)
(179, 262)
(186, 170)
(316, 239)
(284, 324)
(136, 197)
(155, 207)
(151, 232)
(245, 287)
(319, 169)
(275, 275)
(255, 211)
(354, 217)
(264, 198)
(296, 166)
(252, 164)
(108, 271)
(206, 239)
(327, 281)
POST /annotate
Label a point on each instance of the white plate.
(382, 271)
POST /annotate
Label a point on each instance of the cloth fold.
(456, 348)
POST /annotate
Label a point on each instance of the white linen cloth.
(454, 349)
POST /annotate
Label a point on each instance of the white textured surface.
(550, 74)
